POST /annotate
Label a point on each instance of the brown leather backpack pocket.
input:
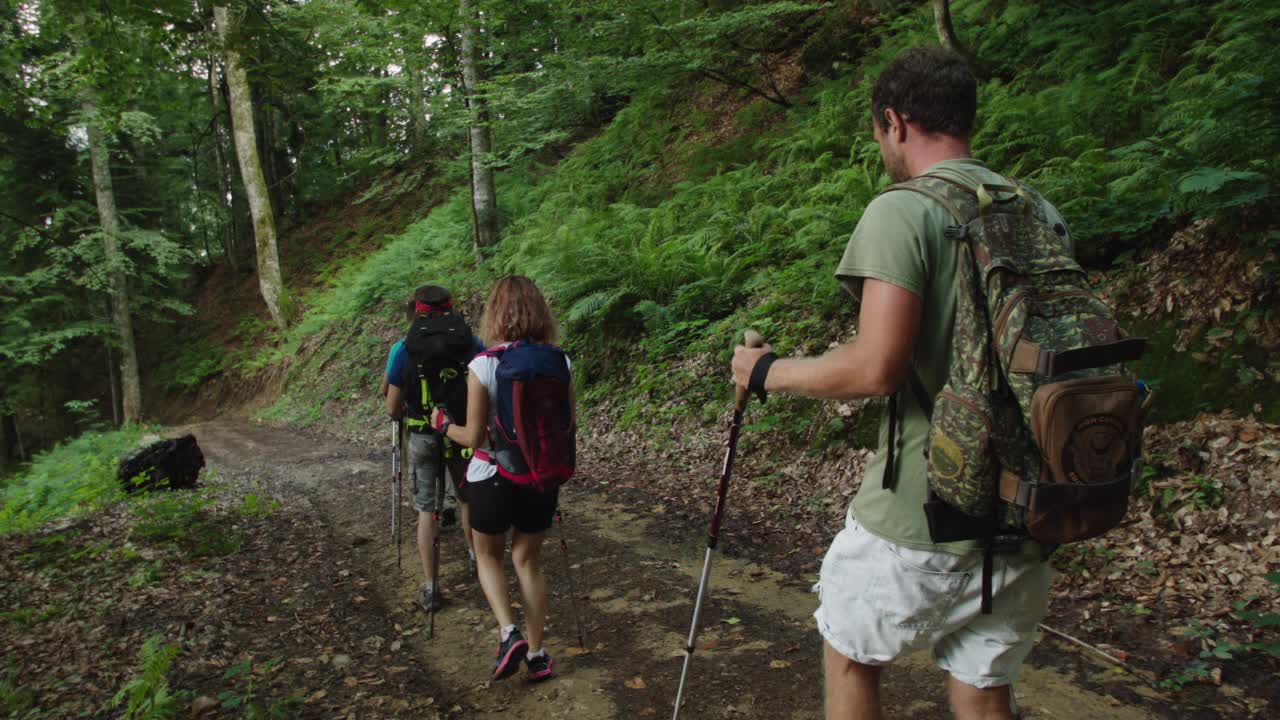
(1088, 431)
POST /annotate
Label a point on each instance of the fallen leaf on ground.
(636, 683)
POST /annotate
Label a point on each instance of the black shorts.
(497, 504)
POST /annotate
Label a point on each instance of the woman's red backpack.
(535, 432)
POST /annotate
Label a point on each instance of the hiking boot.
(539, 666)
(510, 652)
(430, 600)
(448, 518)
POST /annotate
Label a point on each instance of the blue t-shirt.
(400, 357)
(392, 356)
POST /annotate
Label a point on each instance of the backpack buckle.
(1026, 494)
(1044, 363)
(1016, 491)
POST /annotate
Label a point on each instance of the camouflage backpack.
(1038, 429)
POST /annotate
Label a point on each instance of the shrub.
(72, 478)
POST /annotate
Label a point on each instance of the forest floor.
(306, 613)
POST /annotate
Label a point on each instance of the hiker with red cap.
(428, 370)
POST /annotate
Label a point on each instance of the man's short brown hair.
(931, 87)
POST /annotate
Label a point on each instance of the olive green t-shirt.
(899, 240)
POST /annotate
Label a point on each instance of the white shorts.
(879, 601)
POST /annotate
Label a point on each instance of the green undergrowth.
(147, 695)
(190, 363)
(1204, 378)
(435, 249)
(664, 235)
(341, 368)
(74, 477)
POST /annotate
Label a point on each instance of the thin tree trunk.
(241, 218)
(255, 184)
(275, 165)
(115, 388)
(99, 160)
(418, 106)
(8, 440)
(946, 32)
(377, 119)
(230, 238)
(484, 200)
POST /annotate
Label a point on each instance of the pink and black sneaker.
(540, 666)
(510, 652)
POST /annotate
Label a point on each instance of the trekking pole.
(395, 488)
(568, 573)
(752, 340)
(435, 548)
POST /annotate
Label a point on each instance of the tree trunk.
(115, 388)
(376, 118)
(484, 201)
(418, 106)
(230, 237)
(275, 164)
(946, 32)
(255, 184)
(9, 441)
(99, 161)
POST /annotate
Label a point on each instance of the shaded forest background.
(669, 172)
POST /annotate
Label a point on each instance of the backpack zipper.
(986, 420)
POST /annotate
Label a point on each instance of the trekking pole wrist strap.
(759, 374)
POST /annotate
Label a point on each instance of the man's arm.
(391, 380)
(395, 404)
(874, 364)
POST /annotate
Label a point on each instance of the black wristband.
(758, 375)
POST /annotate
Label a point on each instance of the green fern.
(147, 695)
(592, 306)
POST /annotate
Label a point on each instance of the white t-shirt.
(485, 369)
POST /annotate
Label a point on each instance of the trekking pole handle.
(751, 339)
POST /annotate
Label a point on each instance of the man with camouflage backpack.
(1010, 428)
(429, 371)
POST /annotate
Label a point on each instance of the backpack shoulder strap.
(962, 202)
(925, 400)
(917, 389)
(955, 196)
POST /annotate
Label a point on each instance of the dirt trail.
(758, 652)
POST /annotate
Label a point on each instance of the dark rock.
(167, 465)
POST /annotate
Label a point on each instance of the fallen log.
(165, 465)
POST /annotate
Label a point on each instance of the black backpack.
(439, 349)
